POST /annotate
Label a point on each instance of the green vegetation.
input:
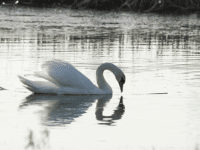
(130, 5)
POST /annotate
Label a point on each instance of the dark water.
(158, 53)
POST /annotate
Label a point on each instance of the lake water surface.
(159, 55)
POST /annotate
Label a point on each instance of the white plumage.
(62, 78)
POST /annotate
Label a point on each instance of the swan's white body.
(63, 78)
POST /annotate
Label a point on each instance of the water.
(159, 55)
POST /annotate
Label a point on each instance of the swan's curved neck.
(103, 85)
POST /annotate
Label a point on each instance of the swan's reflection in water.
(109, 120)
(63, 109)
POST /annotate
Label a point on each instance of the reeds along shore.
(130, 5)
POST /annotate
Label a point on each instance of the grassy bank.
(130, 5)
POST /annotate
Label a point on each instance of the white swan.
(63, 78)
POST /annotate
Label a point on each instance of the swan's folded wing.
(45, 76)
(66, 75)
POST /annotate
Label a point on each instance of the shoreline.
(142, 6)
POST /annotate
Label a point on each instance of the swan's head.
(121, 79)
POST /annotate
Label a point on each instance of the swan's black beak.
(121, 83)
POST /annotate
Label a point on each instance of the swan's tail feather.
(30, 88)
(39, 86)
(28, 84)
(25, 81)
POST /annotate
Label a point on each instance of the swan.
(63, 78)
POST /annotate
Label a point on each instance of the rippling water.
(158, 53)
